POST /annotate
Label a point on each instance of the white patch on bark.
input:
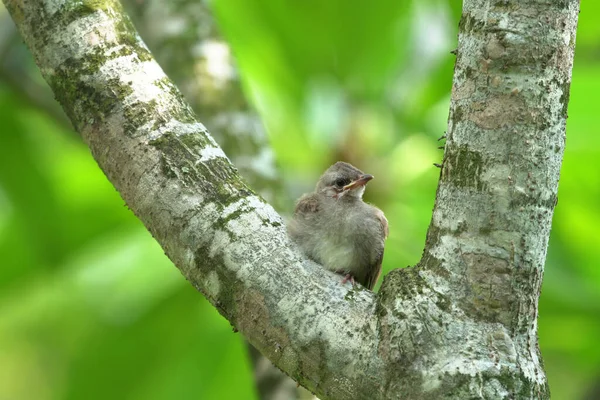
(140, 76)
(210, 153)
(212, 285)
(93, 30)
(175, 126)
(220, 240)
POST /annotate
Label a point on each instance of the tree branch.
(435, 330)
(184, 38)
(193, 61)
(229, 243)
(200, 62)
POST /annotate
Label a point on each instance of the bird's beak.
(359, 182)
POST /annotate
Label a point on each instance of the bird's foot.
(347, 278)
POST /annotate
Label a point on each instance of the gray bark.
(460, 324)
(184, 38)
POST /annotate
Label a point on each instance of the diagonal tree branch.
(195, 57)
(184, 38)
(229, 243)
(200, 62)
(461, 324)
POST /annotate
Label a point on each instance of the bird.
(334, 227)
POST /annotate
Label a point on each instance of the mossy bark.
(185, 39)
(462, 323)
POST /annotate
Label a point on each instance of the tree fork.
(460, 324)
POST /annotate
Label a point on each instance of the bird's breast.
(336, 255)
(346, 242)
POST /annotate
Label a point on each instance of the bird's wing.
(307, 204)
(375, 270)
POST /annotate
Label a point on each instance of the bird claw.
(347, 278)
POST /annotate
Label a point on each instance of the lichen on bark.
(460, 324)
(185, 39)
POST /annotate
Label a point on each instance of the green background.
(91, 308)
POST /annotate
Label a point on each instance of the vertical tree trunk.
(498, 186)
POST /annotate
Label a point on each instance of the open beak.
(362, 181)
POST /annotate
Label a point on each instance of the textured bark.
(462, 323)
(487, 241)
(184, 38)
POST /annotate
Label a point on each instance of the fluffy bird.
(335, 228)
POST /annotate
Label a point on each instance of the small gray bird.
(335, 228)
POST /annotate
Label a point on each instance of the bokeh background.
(91, 308)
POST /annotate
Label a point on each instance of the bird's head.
(343, 179)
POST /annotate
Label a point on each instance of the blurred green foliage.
(91, 308)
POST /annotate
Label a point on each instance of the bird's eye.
(341, 182)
